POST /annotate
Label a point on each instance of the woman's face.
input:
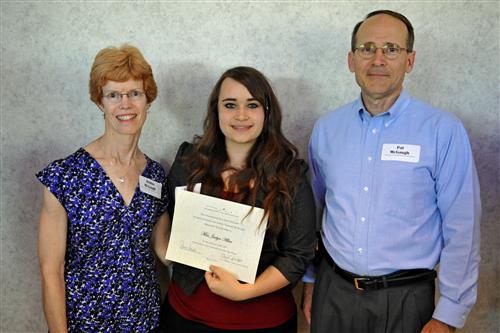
(241, 116)
(124, 105)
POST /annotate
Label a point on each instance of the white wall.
(47, 49)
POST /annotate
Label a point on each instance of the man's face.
(380, 77)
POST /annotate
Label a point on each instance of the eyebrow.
(117, 91)
(384, 43)
(232, 99)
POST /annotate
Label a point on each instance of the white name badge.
(150, 187)
(400, 152)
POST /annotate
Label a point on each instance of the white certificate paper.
(208, 230)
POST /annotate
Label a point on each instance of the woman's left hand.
(223, 283)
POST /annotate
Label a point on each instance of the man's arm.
(51, 252)
(319, 189)
(307, 293)
(436, 326)
(457, 189)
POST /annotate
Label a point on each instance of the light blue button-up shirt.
(400, 191)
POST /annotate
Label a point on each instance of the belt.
(396, 279)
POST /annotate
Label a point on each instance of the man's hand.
(307, 293)
(436, 326)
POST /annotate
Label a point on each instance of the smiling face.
(128, 115)
(241, 116)
(381, 78)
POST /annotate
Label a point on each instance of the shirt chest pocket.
(406, 190)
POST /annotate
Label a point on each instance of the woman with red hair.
(98, 217)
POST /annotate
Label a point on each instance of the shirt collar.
(392, 114)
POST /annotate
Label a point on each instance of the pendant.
(121, 179)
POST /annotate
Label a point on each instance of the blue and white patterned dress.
(110, 275)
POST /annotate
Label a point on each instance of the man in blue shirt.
(397, 185)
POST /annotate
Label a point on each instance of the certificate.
(208, 230)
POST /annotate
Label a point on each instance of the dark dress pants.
(338, 307)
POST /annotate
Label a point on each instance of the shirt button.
(365, 188)
(386, 125)
(360, 250)
(370, 158)
(374, 130)
(363, 219)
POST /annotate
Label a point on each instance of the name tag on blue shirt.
(150, 187)
(400, 152)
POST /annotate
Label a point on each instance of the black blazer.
(296, 243)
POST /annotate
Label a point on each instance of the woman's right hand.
(223, 283)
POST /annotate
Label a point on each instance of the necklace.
(115, 165)
(122, 179)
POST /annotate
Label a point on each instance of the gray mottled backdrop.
(47, 49)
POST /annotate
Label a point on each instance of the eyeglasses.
(116, 97)
(390, 50)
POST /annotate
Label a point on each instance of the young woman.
(96, 224)
(243, 156)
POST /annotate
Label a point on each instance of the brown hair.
(120, 64)
(411, 35)
(272, 167)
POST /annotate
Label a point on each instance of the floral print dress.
(110, 275)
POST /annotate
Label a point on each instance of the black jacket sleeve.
(297, 243)
(178, 174)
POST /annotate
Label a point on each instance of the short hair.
(411, 36)
(120, 64)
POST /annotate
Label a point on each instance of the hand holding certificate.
(211, 231)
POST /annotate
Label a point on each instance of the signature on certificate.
(231, 258)
(188, 248)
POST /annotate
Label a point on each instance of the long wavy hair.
(272, 167)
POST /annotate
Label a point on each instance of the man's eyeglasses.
(390, 50)
(116, 97)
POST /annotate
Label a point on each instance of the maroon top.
(203, 306)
